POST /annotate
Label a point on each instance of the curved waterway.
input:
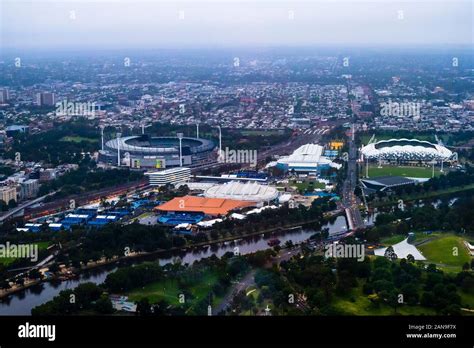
(22, 302)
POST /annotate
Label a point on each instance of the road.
(19, 208)
(349, 200)
(244, 283)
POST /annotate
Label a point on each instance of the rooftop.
(209, 206)
(249, 191)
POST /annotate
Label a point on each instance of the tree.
(388, 252)
(143, 307)
(4, 285)
(410, 258)
(34, 274)
(103, 305)
(53, 268)
(12, 204)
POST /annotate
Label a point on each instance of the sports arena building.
(405, 150)
(307, 158)
(156, 152)
(249, 191)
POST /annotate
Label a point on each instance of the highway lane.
(349, 199)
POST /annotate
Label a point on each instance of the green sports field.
(447, 251)
(411, 172)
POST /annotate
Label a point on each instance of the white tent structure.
(402, 249)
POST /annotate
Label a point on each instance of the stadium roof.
(309, 155)
(209, 206)
(390, 180)
(249, 191)
(383, 182)
(145, 145)
(406, 149)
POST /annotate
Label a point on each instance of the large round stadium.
(156, 152)
(405, 150)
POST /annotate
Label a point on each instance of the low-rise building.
(169, 176)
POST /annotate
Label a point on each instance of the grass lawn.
(357, 303)
(412, 172)
(441, 252)
(467, 300)
(8, 260)
(420, 236)
(78, 139)
(397, 238)
(169, 290)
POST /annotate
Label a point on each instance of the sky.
(73, 24)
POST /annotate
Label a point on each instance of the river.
(22, 302)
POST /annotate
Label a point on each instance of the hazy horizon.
(74, 25)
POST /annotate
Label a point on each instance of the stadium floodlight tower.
(220, 140)
(102, 135)
(118, 148)
(433, 162)
(144, 126)
(197, 130)
(180, 137)
(367, 167)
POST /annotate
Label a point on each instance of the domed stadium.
(405, 150)
(156, 152)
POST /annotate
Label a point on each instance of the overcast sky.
(208, 23)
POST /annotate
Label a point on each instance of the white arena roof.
(309, 155)
(249, 191)
(405, 149)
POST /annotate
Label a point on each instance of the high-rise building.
(45, 99)
(4, 96)
(29, 188)
(8, 193)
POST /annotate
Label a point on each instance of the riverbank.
(133, 256)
